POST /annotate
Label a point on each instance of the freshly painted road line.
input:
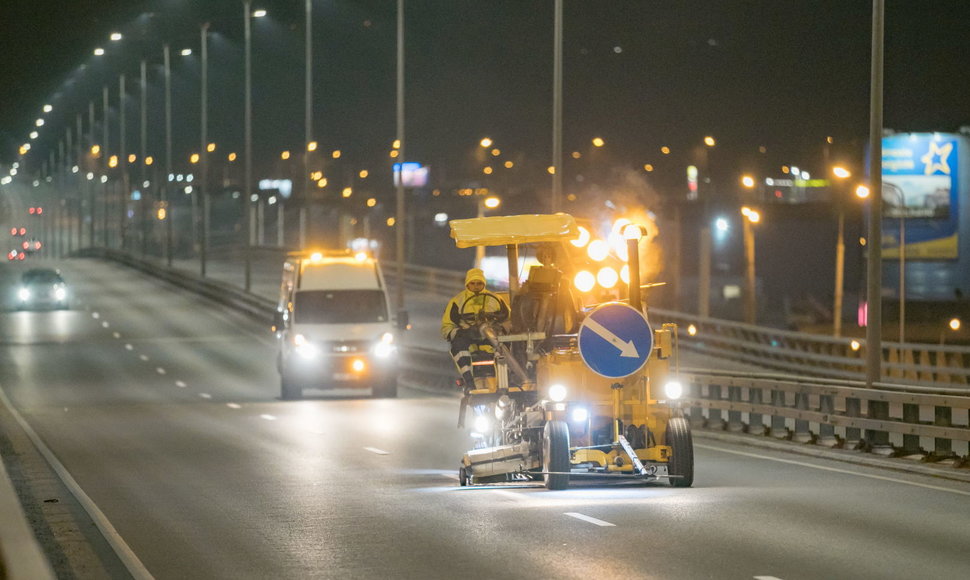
(589, 519)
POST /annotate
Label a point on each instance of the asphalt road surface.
(165, 409)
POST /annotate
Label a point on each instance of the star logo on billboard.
(941, 165)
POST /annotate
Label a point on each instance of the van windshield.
(339, 306)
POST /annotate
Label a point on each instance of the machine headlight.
(385, 346)
(482, 424)
(580, 415)
(60, 293)
(23, 294)
(557, 393)
(673, 389)
(304, 347)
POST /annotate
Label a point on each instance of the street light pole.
(750, 217)
(308, 118)
(144, 153)
(874, 265)
(247, 182)
(166, 53)
(123, 158)
(400, 221)
(557, 110)
(203, 153)
(104, 165)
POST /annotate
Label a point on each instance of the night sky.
(781, 75)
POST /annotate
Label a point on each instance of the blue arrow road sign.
(615, 340)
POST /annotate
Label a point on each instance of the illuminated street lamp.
(953, 325)
(751, 217)
(747, 181)
(842, 174)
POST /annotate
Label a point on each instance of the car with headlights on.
(42, 288)
(334, 325)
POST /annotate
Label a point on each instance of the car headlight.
(673, 389)
(23, 294)
(385, 346)
(579, 415)
(60, 293)
(304, 347)
(557, 393)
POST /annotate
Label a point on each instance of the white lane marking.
(105, 324)
(129, 347)
(205, 395)
(766, 578)
(95, 315)
(116, 334)
(160, 370)
(586, 518)
(234, 405)
(835, 469)
(143, 357)
(268, 417)
(180, 384)
(377, 451)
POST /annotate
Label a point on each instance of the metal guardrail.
(844, 358)
(889, 420)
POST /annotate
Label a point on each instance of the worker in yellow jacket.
(463, 314)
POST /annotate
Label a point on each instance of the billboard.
(920, 195)
(415, 174)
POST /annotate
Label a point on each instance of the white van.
(334, 325)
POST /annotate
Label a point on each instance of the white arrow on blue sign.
(615, 340)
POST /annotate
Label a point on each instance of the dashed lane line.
(377, 451)
(589, 519)
(180, 384)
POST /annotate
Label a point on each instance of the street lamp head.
(492, 202)
(747, 181)
(186, 52)
(862, 192)
(259, 13)
(841, 172)
(709, 141)
(955, 324)
(486, 142)
(116, 36)
(598, 142)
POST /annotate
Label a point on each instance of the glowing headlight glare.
(580, 414)
(598, 250)
(383, 350)
(23, 294)
(358, 365)
(673, 389)
(482, 424)
(387, 338)
(304, 347)
(582, 239)
(584, 281)
(60, 293)
(607, 277)
(557, 393)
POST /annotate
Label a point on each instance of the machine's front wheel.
(681, 466)
(555, 455)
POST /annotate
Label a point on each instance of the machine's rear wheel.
(681, 466)
(555, 454)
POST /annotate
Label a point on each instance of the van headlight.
(60, 293)
(673, 390)
(557, 393)
(385, 346)
(23, 294)
(304, 347)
